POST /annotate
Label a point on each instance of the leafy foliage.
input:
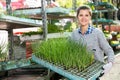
(3, 55)
(32, 33)
(52, 28)
(69, 3)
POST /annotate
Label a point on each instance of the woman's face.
(84, 17)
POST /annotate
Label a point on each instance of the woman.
(93, 38)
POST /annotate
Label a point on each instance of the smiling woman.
(93, 38)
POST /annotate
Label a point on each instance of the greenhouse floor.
(25, 74)
(114, 73)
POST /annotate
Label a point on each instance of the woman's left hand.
(107, 67)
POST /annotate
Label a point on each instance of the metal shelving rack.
(9, 23)
(109, 9)
(109, 21)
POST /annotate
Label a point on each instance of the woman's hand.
(107, 67)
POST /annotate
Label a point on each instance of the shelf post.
(11, 52)
(8, 6)
(44, 19)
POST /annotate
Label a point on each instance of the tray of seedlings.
(67, 58)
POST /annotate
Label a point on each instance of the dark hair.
(85, 7)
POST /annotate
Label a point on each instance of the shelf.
(102, 6)
(105, 10)
(34, 11)
(14, 64)
(103, 21)
(49, 35)
(114, 45)
(17, 22)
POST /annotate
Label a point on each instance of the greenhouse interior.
(36, 40)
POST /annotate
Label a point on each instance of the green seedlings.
(64, 52)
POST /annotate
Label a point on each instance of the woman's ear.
(90, 22)
(78, 22)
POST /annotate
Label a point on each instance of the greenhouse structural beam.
(44, 19)
(11, 43)
(8, 6)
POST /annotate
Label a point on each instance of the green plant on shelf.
(118, 35)
(32, 33)
(3, 53)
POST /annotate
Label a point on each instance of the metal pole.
(96, 4)
(49, 2)
(74, 4)
(10, 36)
(10, 31)
(44, 20)
(8, 6)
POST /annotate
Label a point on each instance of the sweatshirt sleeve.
(104, 45)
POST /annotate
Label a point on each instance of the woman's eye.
(86, 15)
(80, 15)
(83, 15)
